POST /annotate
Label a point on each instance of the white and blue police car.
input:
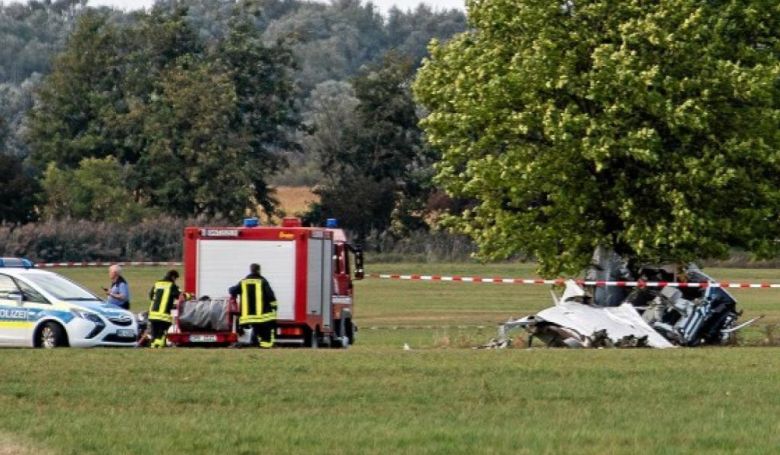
(39, 308)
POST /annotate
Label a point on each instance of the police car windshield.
(59, 287)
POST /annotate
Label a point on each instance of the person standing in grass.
(119, 292)
(258, 307)
(162, 295)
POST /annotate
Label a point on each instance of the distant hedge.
(160, 239)
(420, 246)
(157, 239)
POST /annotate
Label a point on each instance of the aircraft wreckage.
(657, 316)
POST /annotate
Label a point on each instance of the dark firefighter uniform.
(258, 308)
(163, 295)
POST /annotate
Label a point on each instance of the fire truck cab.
(308, 268)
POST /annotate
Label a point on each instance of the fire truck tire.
(345, 333)
(349, 330)
(313, 339)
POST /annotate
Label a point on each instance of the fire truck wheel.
(349, 330)
(313, 338)
(345, 333)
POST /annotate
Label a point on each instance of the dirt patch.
(294, 200)
(10, 445)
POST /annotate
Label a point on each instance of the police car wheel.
(52, 335)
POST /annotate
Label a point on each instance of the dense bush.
(62, 241)
(161, 239)
(158, 239)
(419, 246)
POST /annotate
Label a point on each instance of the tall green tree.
(3, 133)
(31, 33)
(194, 163)
(331, 41)
(18, 188)
(649, 127)
(147, 48)
(68, 123)
(410, 31)
(92, 191)
(18, 191)
(264, 108)
(198, 126)
(376, 171)
(330, 115)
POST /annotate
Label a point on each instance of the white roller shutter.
(223, 263)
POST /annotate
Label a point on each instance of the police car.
(39, 308)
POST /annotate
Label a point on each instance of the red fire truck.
(309, 269)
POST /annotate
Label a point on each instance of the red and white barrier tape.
(471, 279)
(429, 327)
(560, 281)
(44, 265)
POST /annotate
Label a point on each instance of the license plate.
(203, 338)
(126, 333)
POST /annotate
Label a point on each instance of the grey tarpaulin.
(205, 314)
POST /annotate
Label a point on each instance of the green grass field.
(439, 397)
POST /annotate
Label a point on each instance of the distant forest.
(198, 107)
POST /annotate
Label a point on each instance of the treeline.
(195, 108)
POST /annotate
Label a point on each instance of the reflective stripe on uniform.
(266, 317)
(269, 343)
(160, 308)
(158, 342)
(251, 299)
(252, 303)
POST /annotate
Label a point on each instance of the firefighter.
(258, 307)
(162, 296)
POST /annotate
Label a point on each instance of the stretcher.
(204, 322)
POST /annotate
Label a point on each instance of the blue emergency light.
(331, 223)
(251, 222)
(16, 262)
